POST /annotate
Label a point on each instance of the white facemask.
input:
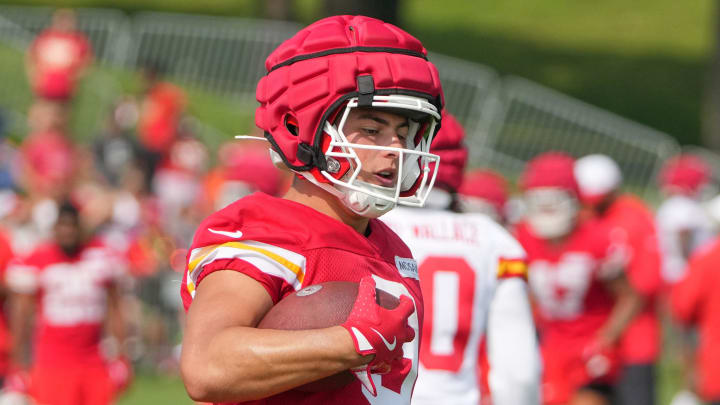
(551, 212)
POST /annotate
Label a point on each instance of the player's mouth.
(386, 177)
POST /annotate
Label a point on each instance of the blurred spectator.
(178, 186)
(631, 224)
(484, 191)
(73, 279)
(682, 222)
(162, 108)
(57, 58)
(116, 149)
(48, 157)
(695, 301)
(584, 301)
(244, 167)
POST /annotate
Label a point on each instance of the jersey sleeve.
(688, 294)
(611, 250)
(23, 275)
(511, 258)
(219, 244)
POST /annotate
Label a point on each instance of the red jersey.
(6, 255)
(285, 246)
(161, 113)
(51, 160)
(58, 58)
(695, 300)
(572, 304)
(71, 297)
(631, 223)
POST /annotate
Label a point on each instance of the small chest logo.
(309, 290)
(407, 267)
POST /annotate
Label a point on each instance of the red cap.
(550, 169)
(488, 185)
(684, 173)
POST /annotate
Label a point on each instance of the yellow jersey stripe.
(297, 270)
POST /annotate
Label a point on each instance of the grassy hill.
(645, 59)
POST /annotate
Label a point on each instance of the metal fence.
(508, 120)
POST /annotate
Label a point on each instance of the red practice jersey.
(572, 302)
(631, 223)
(72, 300)
(286, 246)
(695, 300)
(58, 58)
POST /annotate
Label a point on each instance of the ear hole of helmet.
(291, 124)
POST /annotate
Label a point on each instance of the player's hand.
(379, 331)
(598, 358)
(17, 380)
(120, 372)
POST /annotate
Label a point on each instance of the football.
(320, 306)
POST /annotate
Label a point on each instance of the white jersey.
(462, 260)
(675, 215)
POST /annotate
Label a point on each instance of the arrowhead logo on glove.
(390, 346)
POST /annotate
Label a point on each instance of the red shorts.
(566, 369)
(75, 385)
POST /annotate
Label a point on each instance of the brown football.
(320, 306)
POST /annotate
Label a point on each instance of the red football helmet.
(550, 194)
(339, 63)
(685, 174)
(484, 191)
(450, 146)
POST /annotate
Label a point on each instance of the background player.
(583, 300)
(357, 134)
(630, 223)
(70, 285)
(484, 191)
(473, 276)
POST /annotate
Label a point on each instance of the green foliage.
(644, 59)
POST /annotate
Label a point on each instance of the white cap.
(597, 175)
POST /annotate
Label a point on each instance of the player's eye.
(371, 131)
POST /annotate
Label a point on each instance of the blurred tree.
(711, 103)
(386, 10)
(278, 9)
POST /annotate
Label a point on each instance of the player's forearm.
(512, 347)
(244, 363)
(21, 308)
(628, 304)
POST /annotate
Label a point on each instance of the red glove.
(600, 360)
(120, 372)
(379, 331)
(17, 380)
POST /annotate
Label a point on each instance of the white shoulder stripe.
(269, 259)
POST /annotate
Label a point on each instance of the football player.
(631, 223)
(694, 301)
(584, 301)
(70, 284)
(473, 277)
(485, 192)
(350, 104)
(682, 223)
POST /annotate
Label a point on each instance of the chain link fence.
(508, 120)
